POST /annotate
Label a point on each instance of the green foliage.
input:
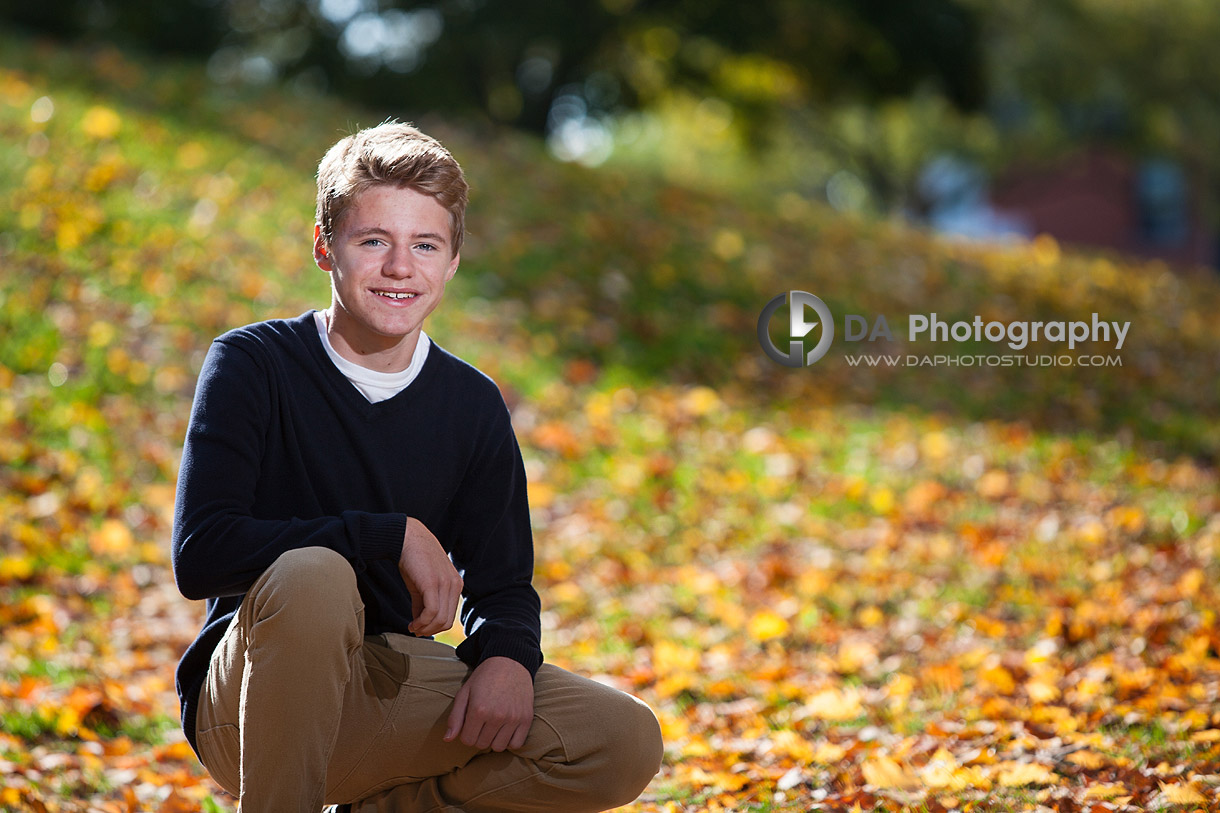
(854, 583)
(511, 62)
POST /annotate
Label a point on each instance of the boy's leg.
(300, 709)
(590, 747)
(271, 707)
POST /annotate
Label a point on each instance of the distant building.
(1099, 199)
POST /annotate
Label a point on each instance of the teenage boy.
(344, 480)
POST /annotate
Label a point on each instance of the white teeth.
(393, 295)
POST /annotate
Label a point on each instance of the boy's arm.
(495, 554)
(219, 547)
(493, 549)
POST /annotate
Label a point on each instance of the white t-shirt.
(373, 385)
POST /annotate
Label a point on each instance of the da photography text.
(808, 314)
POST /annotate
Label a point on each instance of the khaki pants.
(300, 709)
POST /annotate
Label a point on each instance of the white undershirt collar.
(373, 385)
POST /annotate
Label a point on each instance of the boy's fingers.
(457, 717)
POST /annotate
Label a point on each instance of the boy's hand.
(495, 706)
(434, 583)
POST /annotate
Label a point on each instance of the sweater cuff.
(380, 536)
(523, 652)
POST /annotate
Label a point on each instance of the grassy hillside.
(950, 587)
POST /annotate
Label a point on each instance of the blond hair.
(394, 154)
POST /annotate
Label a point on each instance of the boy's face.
(390, 258)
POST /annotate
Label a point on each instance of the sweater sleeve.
(494, 551)
(219, 547)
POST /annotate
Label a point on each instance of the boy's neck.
(385, 354)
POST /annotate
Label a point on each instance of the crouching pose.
(344, 482)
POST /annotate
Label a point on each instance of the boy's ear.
(453, 266)
(321, 253)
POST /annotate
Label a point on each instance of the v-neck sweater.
(283, 452)
(374, 385)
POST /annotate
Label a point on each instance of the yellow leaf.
(16, 567)
(701, 401)
(1090, 760)
(113, 538)
(831, 704)
(728, 244)
(1018, 774)
(1191, 582)
(788, 743)
(180, 750)
(998, 678)
(1206, 735)
(668, 657)
(731, 781)
(673, 685)
(855, 655)
(993, 484)
(938, 773)
(935, 445)
(191, 155)
(541, 495)
(767, 624)
(101, 122)
(1105, 791)
(67, 721)
(881, 500)
(887, 774)
(828, 753)
(1042, 690)
(68, 235)
(673, 727)
(871, 615)
(973, 776)
(1045, 250)
(1182, 794)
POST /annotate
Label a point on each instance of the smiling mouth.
(395, 294)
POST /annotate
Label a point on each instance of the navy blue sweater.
(283, 452)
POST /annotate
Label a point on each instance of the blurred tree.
(192, 27)
(531, 63)
(1142, 76)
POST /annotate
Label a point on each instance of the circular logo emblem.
(798, 304)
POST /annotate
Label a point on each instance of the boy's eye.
(372, 241)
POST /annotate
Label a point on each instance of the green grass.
(599, 301)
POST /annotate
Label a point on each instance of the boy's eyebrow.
(377, 230)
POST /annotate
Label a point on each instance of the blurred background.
(1093, 121)
(843, 587)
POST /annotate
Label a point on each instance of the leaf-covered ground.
(840, 588)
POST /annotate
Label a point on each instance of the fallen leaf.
(887, 774)
(1182, 794)
(1019, 774)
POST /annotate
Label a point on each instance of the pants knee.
(315, 585)
(638, 750)
(313, 568)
